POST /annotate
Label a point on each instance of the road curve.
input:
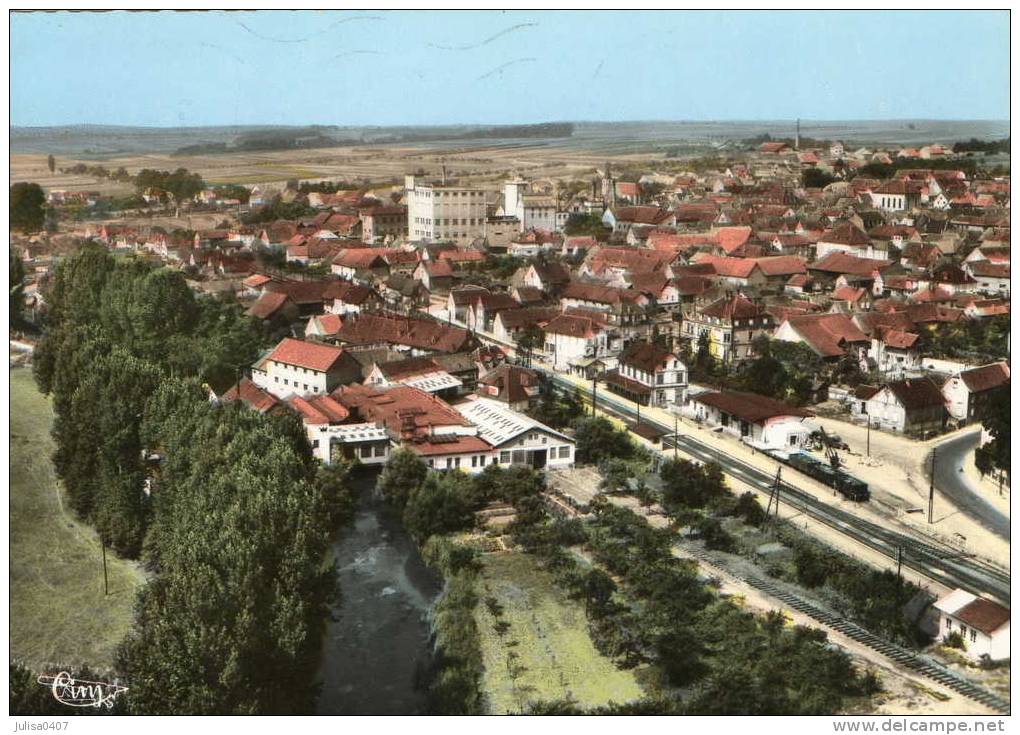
(951, 482)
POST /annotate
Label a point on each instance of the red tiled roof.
(311, 355)
(845, 234)
(916, 393)
(406, 411)
(986, 377)
(736, 306)
(268, 304)
(319, 410)
(731, 238)
(642, 215)
(985, 615)
(827, 334)
(573, 326)
(645, 356)
(749, 407)
(425, 334)
(896, 338)
(849, 264)
(631, 259)
(251, 394)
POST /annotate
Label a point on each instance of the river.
(378, 648)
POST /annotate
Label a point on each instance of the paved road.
(949, 458)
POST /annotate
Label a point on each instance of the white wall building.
(517, 439)
(440, 212)
(983, 624)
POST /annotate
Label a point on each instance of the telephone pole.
(594, 392)
(869, 436)
(676, 435)
(931, 489)
(106, 579)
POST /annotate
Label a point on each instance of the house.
(359, 264)
(418, 421)
(621, 219)
(515, 386)
(910, 405)
(831, 336)
(844, 238)
(517, 439)
(435, 275)
(323, 327)
(419, 336)
(981, 623)
(382, 222)
(859, 271)
(508, 324)
(548, 277)
(897, 195)
(254, 397)
(650, 375)
(295, 367)
(334, 437)
(276, 311)
(571, 339)
(621, 306)
(423, 373)
(758, 420)
(968, 392)
(353, 298)
(730, 325)
(894, 350)
(992, 278)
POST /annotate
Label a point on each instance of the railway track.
(942, 563)
(923, 665)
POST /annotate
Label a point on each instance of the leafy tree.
(17, 288)
(597, 439)
(403, 474)
(28, 207)
(528, 340)
(586, 224)
(815, 178)
(689, 485)
(231, 621)
(995, 454)
(51, 163)
(442, 504)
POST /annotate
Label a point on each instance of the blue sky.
(405, 67)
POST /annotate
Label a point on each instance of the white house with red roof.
(982, 624)
(571, 339)
(296, 367)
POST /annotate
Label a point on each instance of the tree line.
(233, 521)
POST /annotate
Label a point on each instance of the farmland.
(59, 613)
(537, 648)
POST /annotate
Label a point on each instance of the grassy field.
(59, 613)
(544, 652)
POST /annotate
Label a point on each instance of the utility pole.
(899, 563)
(594, 392)
(869, 436)
(931, 489)
(676, 435)
(106, 579)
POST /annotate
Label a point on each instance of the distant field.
(59, 614)
(549, 634)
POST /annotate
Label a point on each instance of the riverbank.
(59, 611)
(377, 649)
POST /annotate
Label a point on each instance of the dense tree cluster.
(180, 184)
(233, 520)
(995, 454)
(277, 209)
(973, 340)
(27, 207)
